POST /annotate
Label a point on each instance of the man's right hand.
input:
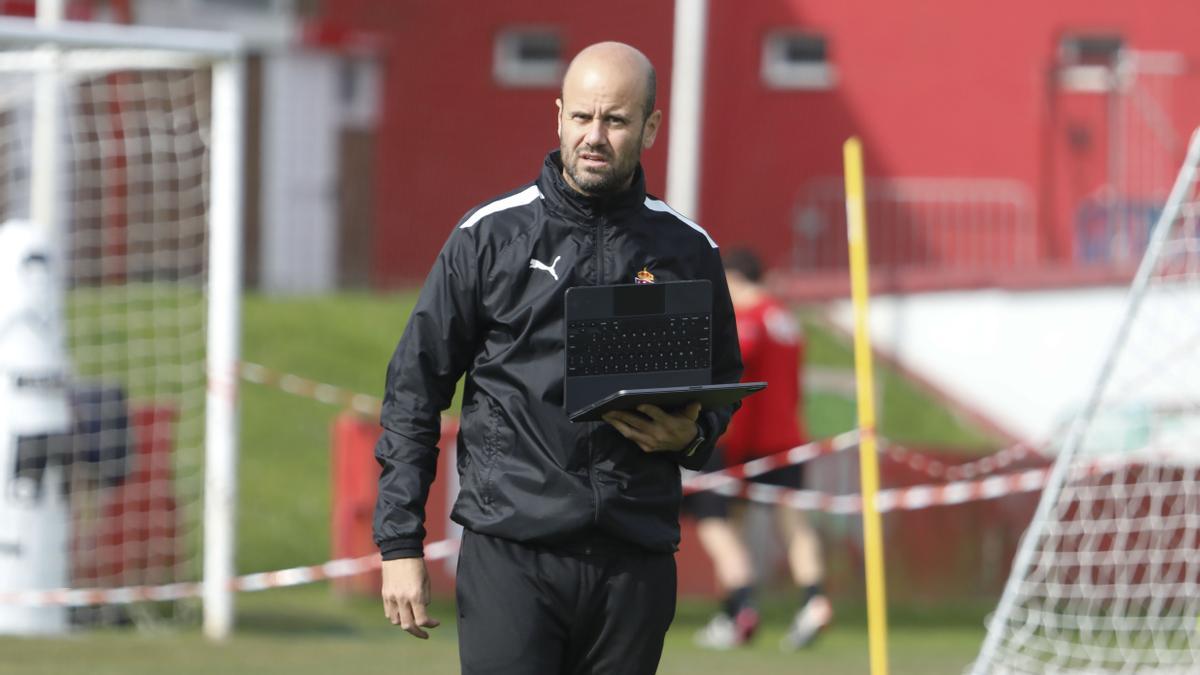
(406, 595)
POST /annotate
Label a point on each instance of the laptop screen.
(639, 300)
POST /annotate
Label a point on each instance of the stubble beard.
(600, 184)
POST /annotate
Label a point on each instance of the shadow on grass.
(268, 623)
(312, 611)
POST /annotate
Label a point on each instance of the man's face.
(602, 129)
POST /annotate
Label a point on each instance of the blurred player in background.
(772, 345)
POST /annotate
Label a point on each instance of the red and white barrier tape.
(293, 576)
(319, 391)
(920, 496)
(938, 469)
(370, 405)
(893, 499)
(902, 498)
(726, 482)
(699, 482)
(731, 482)
(924, 496)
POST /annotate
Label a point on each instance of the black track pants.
(525, 610)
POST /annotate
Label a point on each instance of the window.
(245, 5)
(1088, 62)
(796, 60)
(358, 91)
(528, 57)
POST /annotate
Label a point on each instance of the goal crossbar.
(79, 35)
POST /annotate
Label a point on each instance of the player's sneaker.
(722, 632)
(814, 616)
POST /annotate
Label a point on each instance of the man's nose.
(595, 133)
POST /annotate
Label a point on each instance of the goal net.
(1107, 578)
(124, 160)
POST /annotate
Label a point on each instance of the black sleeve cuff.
(394, 550)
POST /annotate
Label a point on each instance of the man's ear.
(558, 118)
(651, 129)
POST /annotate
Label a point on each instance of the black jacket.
(526, 472)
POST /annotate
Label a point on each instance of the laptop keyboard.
(640, 344)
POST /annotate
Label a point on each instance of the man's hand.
(655, 430)
(406, 595)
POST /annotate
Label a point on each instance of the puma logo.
(535, 264)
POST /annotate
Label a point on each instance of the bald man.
(567, 558)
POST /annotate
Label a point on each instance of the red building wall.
(451, 137)
(934, 88)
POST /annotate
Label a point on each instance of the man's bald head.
(606, 117)
(603, 58)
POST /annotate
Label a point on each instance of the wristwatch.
(697, 442)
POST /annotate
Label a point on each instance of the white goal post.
(1107, 577)
(122, 146)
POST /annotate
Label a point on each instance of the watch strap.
(696, 442)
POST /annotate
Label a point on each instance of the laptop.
(631, 344)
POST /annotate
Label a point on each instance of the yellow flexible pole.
(856, 231)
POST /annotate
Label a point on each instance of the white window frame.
(359, 91)
(1084, 77)
(510, 70)
(779, 72)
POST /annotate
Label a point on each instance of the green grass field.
(306, 631)
(284, 502)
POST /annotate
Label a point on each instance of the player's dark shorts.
(709, 504)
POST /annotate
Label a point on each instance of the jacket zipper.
(591, 437)
(600, 251)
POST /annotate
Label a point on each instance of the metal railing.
(920, 223)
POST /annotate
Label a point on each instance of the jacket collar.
(563, 198)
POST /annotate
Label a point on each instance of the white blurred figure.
(34, 410)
